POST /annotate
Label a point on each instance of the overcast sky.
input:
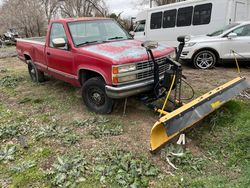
(128, 7)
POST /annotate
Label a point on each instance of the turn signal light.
(115, 70)
(115, 80)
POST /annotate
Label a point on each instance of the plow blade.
(171, 124)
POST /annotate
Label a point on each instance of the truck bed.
(35, 40)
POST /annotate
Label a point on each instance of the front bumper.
(187, 53)
(120, 92)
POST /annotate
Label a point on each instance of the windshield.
(219, 32)
(86, 32)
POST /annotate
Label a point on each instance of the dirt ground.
(66, 105)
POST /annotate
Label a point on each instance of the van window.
(202, 14)
(140, 26)
(169, 18)
(184, 17)
(156, 20)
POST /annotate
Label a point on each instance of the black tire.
(204, 60)
(94, 96)
(35, 74)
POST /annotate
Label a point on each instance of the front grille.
(150, 73)
(149, 64)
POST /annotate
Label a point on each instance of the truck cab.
(96, 54)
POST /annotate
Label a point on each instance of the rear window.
(169, 18)
(184, 16)
(156, 20)
(202, 14)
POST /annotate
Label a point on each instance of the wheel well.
(207, 49)
(84, 75)
(27, 57)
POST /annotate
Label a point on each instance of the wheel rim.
(204, 60)
(96, 96)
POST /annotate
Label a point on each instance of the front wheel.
(94, 96)
(204, 60)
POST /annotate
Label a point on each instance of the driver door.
(60, 60)
(240, 44)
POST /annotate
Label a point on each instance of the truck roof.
(65, 20)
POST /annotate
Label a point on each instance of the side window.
(169, 18)
(202, 14)
(184, 17)
(140, 26)
(57, 31)
(243, 31)
(156, 20)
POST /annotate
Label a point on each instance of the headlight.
(190, 44)
(172, 55)
(124, 68)
(127, 78)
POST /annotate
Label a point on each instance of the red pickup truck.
(96, 54)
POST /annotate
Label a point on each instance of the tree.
(24, 15)
(81, 8)
(50, 8)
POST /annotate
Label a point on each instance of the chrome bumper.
(120, 92)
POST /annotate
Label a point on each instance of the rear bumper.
(129, 90)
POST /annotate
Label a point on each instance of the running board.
(171, 124)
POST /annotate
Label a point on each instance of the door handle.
(48, 53)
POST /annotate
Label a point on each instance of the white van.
(191, 17)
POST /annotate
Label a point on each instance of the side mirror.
(132, 33)
(232, 35)
(59, 42)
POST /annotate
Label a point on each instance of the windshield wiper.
(87, 42)
(114, 38)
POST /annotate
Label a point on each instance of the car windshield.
(98, 31)
(219, 32)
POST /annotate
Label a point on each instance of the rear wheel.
(204, 60)
(35, 74)
(94, 96)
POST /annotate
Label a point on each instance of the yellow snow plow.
(182, 116)
(171, 124)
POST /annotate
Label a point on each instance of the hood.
(202, 38)
(125, 51)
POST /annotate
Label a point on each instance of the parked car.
(192, 17)
(206, 51)
(96, 54)
(9, 38)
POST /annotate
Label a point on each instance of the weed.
(7, 153)
(23, 166)
(107, 129)
(70, 139)
(68, 171)
(55, 131)
(176, 156)
(124, 169)
(50, 131)
(10, 130)
(10, 81)
(85, 123)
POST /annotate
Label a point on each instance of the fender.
(207, 48)
(97, 70)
